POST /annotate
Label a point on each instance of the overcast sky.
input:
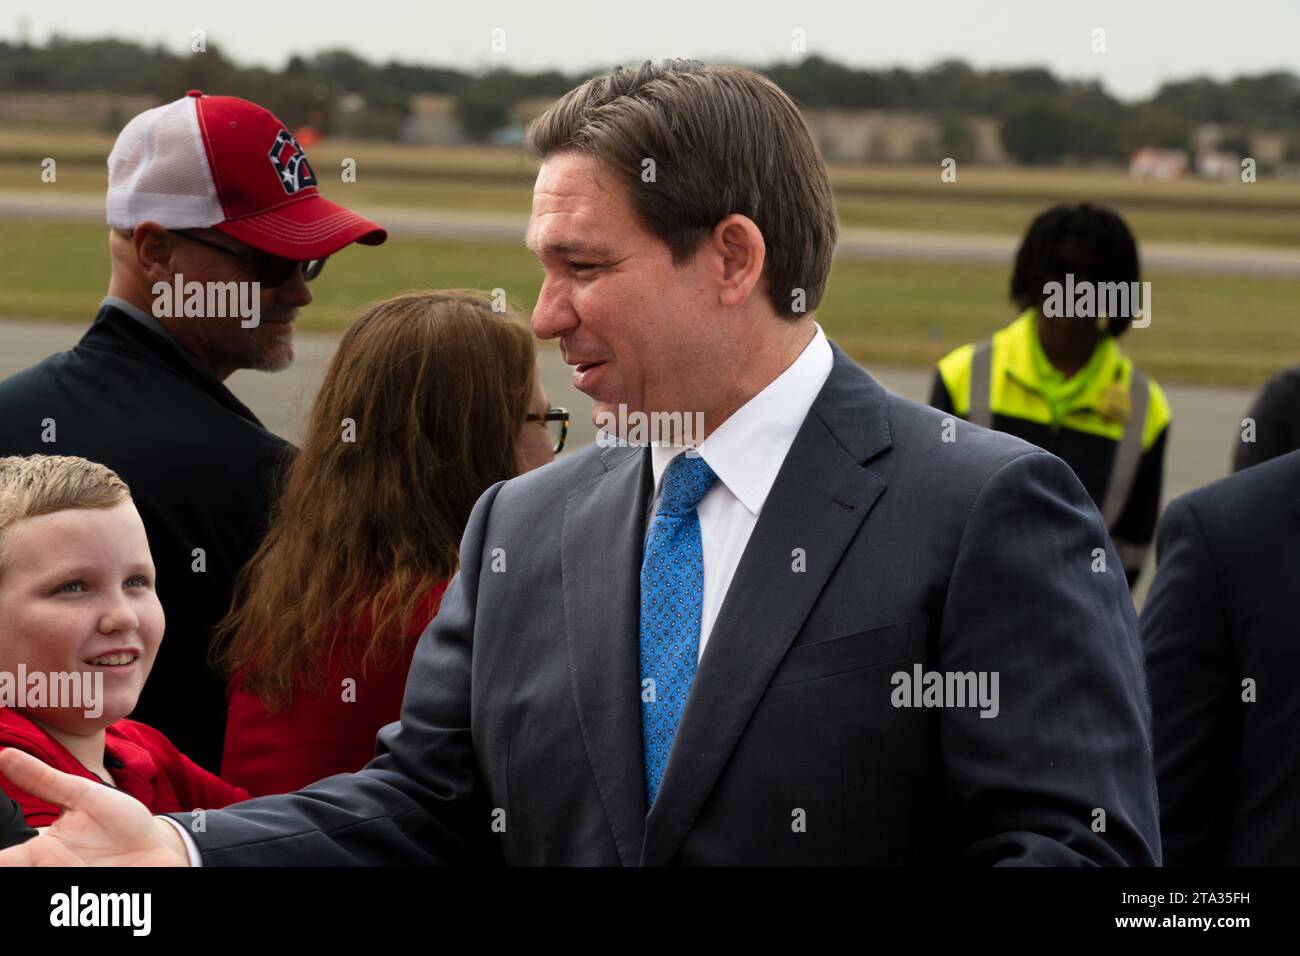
(1147, 41)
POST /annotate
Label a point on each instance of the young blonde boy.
(80, 628)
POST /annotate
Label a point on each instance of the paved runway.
(1206, 420)
(855, 242)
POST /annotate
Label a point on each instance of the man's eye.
(580, 266)
(72, 587)
(137, 581)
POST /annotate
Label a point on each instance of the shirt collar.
(746, 451)
(152, 323)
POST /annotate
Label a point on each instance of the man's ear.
(154, 248)
(739, 244)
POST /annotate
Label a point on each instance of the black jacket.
(13, 828)
(1223, 609)
(200, 467)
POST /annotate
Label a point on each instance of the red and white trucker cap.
(223, 162)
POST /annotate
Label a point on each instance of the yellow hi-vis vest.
(997, 377)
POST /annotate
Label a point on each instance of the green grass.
(1204, 329)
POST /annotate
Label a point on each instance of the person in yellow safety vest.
(1057, 378)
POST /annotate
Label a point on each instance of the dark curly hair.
(1091, 242)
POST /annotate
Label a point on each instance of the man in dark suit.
(843, 628)
(1223, 654)
(194, 200)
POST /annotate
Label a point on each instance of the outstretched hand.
(99, 826)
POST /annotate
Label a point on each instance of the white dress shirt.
(746, 452)
(191, 848)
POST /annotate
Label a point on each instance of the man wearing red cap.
(205, 193)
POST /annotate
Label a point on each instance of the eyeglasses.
(557, 423)
(271, 270)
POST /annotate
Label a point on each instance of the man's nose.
(553, 316)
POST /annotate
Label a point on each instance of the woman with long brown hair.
(431, 398)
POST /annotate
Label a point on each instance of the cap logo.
(290, 163)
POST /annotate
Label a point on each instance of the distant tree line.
(1044, 119)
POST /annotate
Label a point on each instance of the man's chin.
(269, 346)
(273, 360)
(604, 412)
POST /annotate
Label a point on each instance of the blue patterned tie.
(672, 594)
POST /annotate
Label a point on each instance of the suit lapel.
(819, 500)
(600, 552)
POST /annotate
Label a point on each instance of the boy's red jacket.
(141, 760)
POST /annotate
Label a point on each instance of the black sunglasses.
(271, 270)
(560, 415)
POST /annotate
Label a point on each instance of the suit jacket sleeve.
(1195, 696)
(1069, 751)
(420, 801)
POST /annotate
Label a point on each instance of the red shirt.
(142, 761)
(318, 735)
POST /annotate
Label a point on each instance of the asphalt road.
(855, 243)
(1206, 421)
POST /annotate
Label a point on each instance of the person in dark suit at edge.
(1222, 659)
